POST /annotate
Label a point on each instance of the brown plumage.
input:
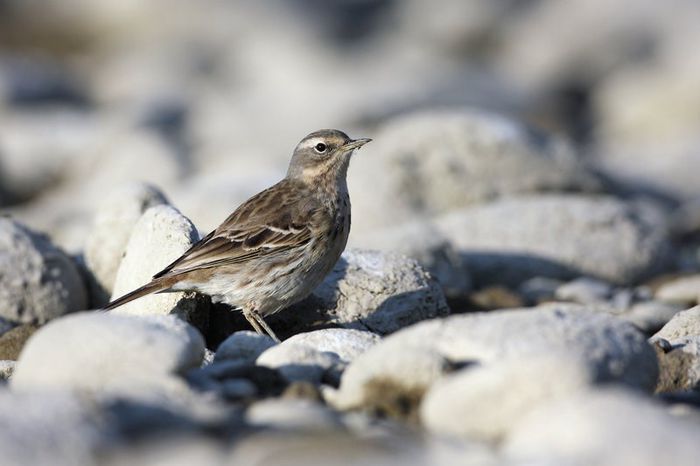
(278, 245)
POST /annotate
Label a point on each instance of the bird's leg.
(263, 324)
(250, 317)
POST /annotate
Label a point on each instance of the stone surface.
(651, 316)
(680, 366)
(412, 359)
(683, 324)
(429, 247)
(558, 236)
(346, 343)
(297, 361)
(585, 291)
(607, 427)
(48, 428)
(106, 352)
(12, 342)
(160, 236)
(114, 221)
(484, 402)
(378, 292)
(291, 414)
(40, 282)
(682, 290)
(6, 369)
(477, 156)
(243, 346)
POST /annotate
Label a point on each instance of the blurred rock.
(292, 414)
(49, 428)
(558, 236)
(37, 148)
(611, 427)
(685, 220)
(6, 325)
(495, 297)
(297, 361)
(6, 369)
(647, 134)
(584, 290)
(159, 237)
(12, 341)
(484, 402)
(228, 378)
(28, 81)
(244, 346)
(429, 247)
(539, 289)
(476, 156)
(607, 347)
(682, 290)
(40, 282)
(105, 352)
(683, 324)
(650, 316)
(346, 343)
(108, 239)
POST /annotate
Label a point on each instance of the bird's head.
(323, 153)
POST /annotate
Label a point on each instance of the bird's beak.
(355, 144)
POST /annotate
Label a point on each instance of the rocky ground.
(522, 284)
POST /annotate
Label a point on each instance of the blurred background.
(207, 99)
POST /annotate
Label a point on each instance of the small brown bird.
(275, 248)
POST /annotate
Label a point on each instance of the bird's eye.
(320, 148)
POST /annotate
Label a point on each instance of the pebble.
(484, 402)
(683, 324)
(297, 361)
(559, 236)
(611, 426)
(682, 290)
(159, 237)
(408, 362)
(114, 222)
(40, 282)
(346, 343)
(107, 352)
(244, 346)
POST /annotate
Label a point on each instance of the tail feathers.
(153, 287)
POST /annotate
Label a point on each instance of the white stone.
(346, 343)
(683, 290)
(291, 414)
(114, 221)
(412, 359)
(39, 281)
(483, 402)
(606, 427)
(244, 346)
(683, 324)
(559, 236)
(106, 352)
(160, 236)
(475, 155)
(379, 292)
(298, 361)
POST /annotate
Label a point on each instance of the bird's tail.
(152, 287)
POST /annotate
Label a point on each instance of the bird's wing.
(275, 221)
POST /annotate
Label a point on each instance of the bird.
(277, 246)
